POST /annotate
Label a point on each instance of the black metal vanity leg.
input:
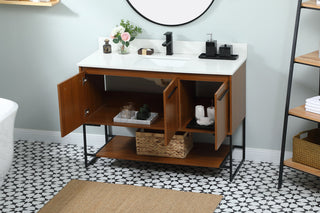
(244, 139)
(106, 135)
(85, 145)
(231, 149)
(110, 132)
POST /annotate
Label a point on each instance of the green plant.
(125, 33)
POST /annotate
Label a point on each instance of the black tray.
(231, 57)
(194, 125)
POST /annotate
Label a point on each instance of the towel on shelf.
(314, 100)
(310, 109)
(315, 106)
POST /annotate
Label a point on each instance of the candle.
(199, 111)
(210, 113)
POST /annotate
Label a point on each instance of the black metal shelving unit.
(310, 59)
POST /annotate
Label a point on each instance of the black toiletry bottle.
(211, 47)
(106, 46)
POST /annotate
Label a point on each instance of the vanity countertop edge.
(182, 62)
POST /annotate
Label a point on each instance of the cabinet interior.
(110, 97)
(113, 96)
(194, 93)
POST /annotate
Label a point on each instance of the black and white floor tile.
(41, 170)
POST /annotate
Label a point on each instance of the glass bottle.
(107, 46)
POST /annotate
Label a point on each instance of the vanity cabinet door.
(71, 103)
(170, 107)
(221, 98)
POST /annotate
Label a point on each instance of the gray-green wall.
(40, 47)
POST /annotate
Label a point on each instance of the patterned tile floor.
(40, 170)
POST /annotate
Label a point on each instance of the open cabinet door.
(71, 103)
(170, 107)
(221, 99)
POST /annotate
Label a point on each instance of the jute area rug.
(84, 196)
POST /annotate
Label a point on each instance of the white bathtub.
(8, 111)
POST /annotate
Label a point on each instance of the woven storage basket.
(152, 143)
(307, 150)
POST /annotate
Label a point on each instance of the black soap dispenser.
(211, 47)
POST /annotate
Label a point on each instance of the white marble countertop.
(184, 60)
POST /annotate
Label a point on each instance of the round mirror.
(170, 12)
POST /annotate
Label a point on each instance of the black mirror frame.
(169, 25)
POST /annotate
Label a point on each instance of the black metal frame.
(286, 114)
(169, 25)
(232, 147)
(109, 136)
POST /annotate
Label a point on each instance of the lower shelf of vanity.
(302, 167)
(202, 154)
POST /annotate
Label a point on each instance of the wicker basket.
(152, 143)
(307, 150)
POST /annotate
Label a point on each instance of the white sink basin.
(163, 62)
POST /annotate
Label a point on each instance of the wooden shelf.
(309, 59)
(30, 3)
(310, 4)
(302, 167)
(302, 113)
(105, 114)
(202, 154)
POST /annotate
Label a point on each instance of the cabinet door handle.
(225, 92)
(171, 93)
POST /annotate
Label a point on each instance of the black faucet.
(168, 43)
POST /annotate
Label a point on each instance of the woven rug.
(85, 196)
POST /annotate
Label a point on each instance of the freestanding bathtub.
(8, 111)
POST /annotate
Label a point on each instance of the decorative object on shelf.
(145, 51)
(211, 46)
(313, 104)
(307, 150)
(133, 120)
(124, 34)
(318, 2)
(194, 125)
(210, 113)
(144, 112)
(201, 118)
(199, 111)
(151, 142)
(127, 111)
(107, 46)
(204, 121)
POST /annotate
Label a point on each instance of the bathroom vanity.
(85, 99)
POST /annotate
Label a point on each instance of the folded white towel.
(315, 106)
(314, 100)
(312, 110)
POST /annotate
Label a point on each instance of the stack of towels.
(313, 104)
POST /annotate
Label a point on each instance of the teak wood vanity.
(84, 99)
